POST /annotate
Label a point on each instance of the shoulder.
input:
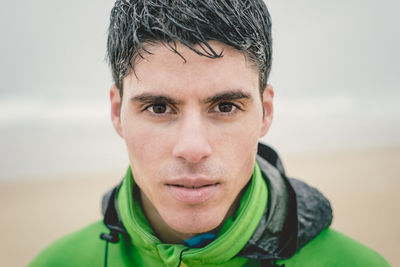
(81, 248)
(331, 248)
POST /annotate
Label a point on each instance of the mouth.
(193, 192)
(192, 186)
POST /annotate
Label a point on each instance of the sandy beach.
(361, 184)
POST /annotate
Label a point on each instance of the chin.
(193, 223)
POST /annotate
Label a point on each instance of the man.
(191, 100)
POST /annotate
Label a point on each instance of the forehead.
(163, 68)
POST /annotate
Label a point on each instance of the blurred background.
(337, 116)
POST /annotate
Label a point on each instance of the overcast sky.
(57, 48)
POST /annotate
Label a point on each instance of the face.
(191, 130)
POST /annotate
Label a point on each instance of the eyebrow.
(223, 96)
(228, 96)
(150, 98)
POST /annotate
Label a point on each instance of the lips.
(191, 186)
(192, 191)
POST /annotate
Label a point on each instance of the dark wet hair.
(242, 24)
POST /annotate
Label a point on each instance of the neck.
(167, 234)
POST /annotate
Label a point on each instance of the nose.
(192, 142)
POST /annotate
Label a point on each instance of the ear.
(268, 105)
(115, 100)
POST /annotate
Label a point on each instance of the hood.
(295, 213)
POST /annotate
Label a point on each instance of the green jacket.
(280, 222)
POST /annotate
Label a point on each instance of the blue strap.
(200, 241)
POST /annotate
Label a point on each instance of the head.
(190, 99)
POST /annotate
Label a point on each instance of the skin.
(198, 120)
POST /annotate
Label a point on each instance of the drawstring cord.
(106, 255)
(112, 237)
(111, 220)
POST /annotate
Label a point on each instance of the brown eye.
(225, 107)
(159, 108)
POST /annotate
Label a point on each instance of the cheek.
(239, 135)
(147, 146)
(236, 145)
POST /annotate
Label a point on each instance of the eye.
(225, 107)
(159, 108)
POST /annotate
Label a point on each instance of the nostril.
(193, 151)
